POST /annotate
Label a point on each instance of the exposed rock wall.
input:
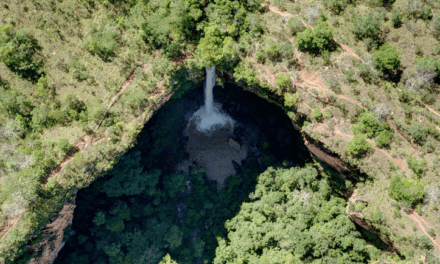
(53, 235)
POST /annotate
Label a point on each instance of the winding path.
(313, 79)
(421, 223)
(82, 143)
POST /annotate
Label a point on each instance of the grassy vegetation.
(63, 61)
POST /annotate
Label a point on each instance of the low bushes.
(296, 26)
(396, 18)
(102, 41)
(291, 99)
(358, 145)
(373, 128)
(336, 6)
(283, 80)
(404, 189)
(315, 40)
(367, 26)
(417, 164)
(387, 58)
(18, 50)
(435, 26)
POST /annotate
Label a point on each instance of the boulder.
(234, 145)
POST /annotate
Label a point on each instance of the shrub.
(336, 6)
(383, 139)
(369, 125)
(418, 133)
(315, 40)
(387, 58)
(435, 26)
(367, 26)
(349, 75)
(404, 97)
(244, 74)
(316, 113)
(334, 85)
(283, 80)
(287, 50)
(102, 41)
(417, 164)
(404, 189)
(387, 2)
(272, 50)
(431, 232)
(73, 103)
(428, 64)
(64, 145)
(382, 111)
(260, 56)
(425, 242)
(417, 9)
(295, 26)
(291, 99)
(396, 18)
(18, 50)
(377, 216)
(358, 145)
(313, 13)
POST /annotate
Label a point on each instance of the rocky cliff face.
(56, 232)
(356, 218)
(54, 235)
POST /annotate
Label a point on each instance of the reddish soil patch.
(66, 214)
(421, 223)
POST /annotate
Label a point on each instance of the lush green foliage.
(291, 218)
(383, 139)
(404, 189)
(67, 99)
(140, 209)
(283, 80)
(417, 9)
(417, 164)
(367, 26)
(396, 18)
(419, 133)
(272, 50)
(64, 145)
(18, 50)
(358, 146)
(316, 113)
(315, 40)
(429, 64)
(369, 125)
(291, 99)
(245, 74)
(128, 178)
(387, 58)
(102, 41)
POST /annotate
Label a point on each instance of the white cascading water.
(210, 82)
(210, 117)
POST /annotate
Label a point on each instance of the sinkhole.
(176, 189)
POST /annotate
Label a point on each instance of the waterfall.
(210, 82)
(210, 116)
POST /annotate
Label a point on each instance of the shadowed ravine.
(174, 191)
